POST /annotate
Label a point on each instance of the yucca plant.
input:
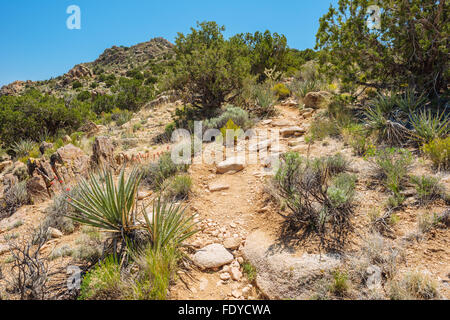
(23, 148)
(169, 225)
(108, 205)
(429, 126)
(409, 102)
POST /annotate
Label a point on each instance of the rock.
(263, 145)
(78, 72)
(281, 275)
(66, 139)
(283, 123)
(315, 99)
(373, 277)
(236, 293)
(54, 233)
(90, 128)
(231, 164)
(103, 153)
(236, 274)
(143, 195)
(74, 160)
(212, 256)
(45, 146)
(4, 248)
(203, 284)
(225, 276)
(265, 122)
(291, 102)
(292, 131)
(246, 291)
(5, 164)
(217, 186)
(37, 190)
(296, 142)
(408, 193)
(232, 243)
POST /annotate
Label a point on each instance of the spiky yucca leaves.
(23, 148)
(429, 126)
(109, 206)
(169, 225)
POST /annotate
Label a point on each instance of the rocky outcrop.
(37, 190)
(315, 99)
(79, 71)
(283, 275)
(103, 153)
(76, 162)
(15, 88)
(90, 128)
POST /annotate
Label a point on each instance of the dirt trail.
(235, 212)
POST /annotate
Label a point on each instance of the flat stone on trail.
(283, 123)
(217, 186)
(286, 132)
(232, 243)
(3, 248)
(212, 256)
(263, 145)
(231, 164)
(282, 275)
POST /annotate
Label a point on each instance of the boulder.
(90, 128)
(5, 164)
(54, 233)
(315, 99)
(231, 164)
(74, 160)
(103, 153)
(283, 123)
(236, 274)
(212, 256)
(37, 189)
(263, 145)
(287, 132)
(282, 275)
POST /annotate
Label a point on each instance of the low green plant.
(428, 188)
(438, 151)
(103, 282)
(155, 173)
(414, 285)
(237, 115)
(339, 285)
(178, 187)
(23, 148)
(13, 199)
(249, 271)
(322, 128)
(429, 126)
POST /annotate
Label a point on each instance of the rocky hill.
(93, 76)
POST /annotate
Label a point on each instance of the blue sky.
(37, 45)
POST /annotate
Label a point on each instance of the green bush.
(281, 91)
(428, 188)
(322, 128)
(392, 167)
(178, 187)
(339, 285)
(429, 126)
(13, 199)
(23, 148)
(103, 282)
(77, 84)
(237, 115)
(155, 173)
(438, 151)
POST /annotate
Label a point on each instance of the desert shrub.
(29, 271)
(13, 199)
(77, 84)
(383, 119)
(429, 126)
(132, 94)
(428, 188)
(281, 91)
(414, 285)
(155, 173)
(391, 166)
(356, 137)
(239, 117)
(315, 202)
(391, 56)
(84, 95)
(339, 285)
(336, 164)
(426, 222)
(156, 270)
(103, 282)
(110, 206)
(26, 116)
(208, 67)
(61, 252)
(258, 98)
(59, 211)
(322, 128)
(178, 187)
(438, 151)
(103, 103)
(23, 148)
(121, 116)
